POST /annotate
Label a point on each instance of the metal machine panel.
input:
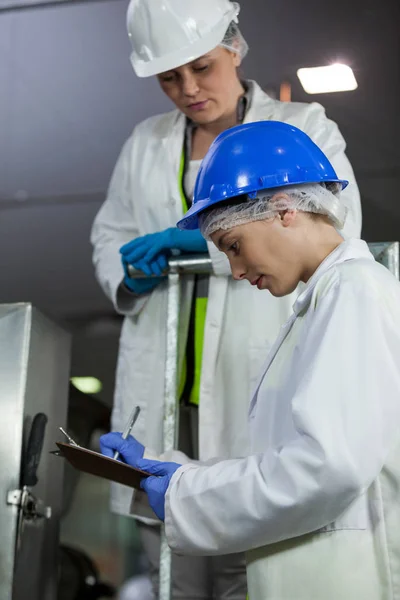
(388, 254)
(34, 377)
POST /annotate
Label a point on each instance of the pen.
(128, 428)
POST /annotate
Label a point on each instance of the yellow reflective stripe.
(180, 182)
(182, 381)
(200, 318)
(199, 324)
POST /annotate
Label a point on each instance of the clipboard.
(97, 464)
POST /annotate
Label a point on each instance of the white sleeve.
(140, 506)
(325, 133)
(114, 226)
(345, 411)
(176, 456)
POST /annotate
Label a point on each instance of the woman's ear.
(287, 217)
(237, 59)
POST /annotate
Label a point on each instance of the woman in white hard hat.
(315, 504)
(194, 48)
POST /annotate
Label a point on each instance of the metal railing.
(178, 266)
(386, 253)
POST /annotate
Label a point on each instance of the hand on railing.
(142, 285)
(150, 253)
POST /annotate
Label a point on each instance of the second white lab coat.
(143, 198)
(316, 507)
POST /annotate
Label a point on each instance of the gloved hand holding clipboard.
(97, 464)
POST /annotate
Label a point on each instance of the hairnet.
(313, 198)
(234, 41)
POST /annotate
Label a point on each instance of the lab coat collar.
(259, 103)
(347, 250)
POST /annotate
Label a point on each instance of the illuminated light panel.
(324, 80)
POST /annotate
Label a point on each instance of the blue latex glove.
(156, 487)
(152, 248)
(131, 451)
(141, 286)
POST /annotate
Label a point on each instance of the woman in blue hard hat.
(315, 505)
(194, 49)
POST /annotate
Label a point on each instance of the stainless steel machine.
(34, 377)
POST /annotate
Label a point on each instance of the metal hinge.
(32, 508)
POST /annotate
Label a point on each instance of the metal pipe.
(388, 254)
(177, 267)
(171, 408)
(165, 578)
(191, 264)
(394, 259)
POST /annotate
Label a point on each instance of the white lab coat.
(144, 197)
(316, 505)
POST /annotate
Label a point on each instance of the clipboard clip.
(69, 438)
(70, 441)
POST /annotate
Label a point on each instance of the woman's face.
(206, 89)
(266, 253)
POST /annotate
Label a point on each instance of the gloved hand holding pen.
(129, 449)
(116, 444)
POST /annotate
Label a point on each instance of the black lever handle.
(34, 450)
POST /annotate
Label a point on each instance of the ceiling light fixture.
(87, 385)
(324, 80)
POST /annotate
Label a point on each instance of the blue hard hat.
(256, 156)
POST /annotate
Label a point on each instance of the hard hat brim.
(185, 55)
(191, 218)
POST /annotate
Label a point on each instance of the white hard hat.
(166, 34)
